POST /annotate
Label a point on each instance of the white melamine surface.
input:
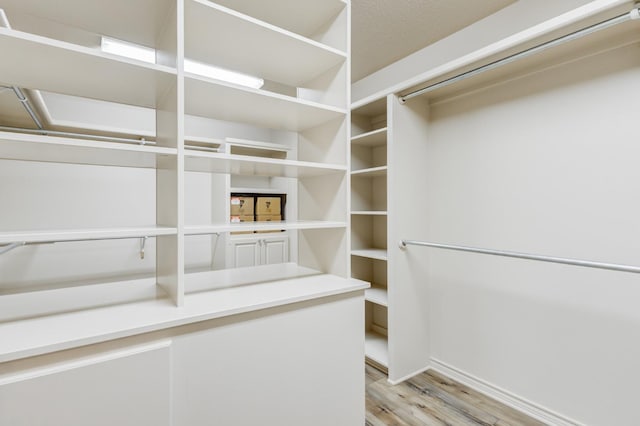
(262, 226)
(57, 332)
(303, 17)
(371, 172)
(142, 23)
(81, 71)
(18, 146)
(380, 254)
(377, 295)
(46, 235)
(376, 348)
(256, 166)
(369, 213)
(267, 51)
(250, 106)
(373, 138)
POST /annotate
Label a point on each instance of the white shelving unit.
(302, 110)
(369, 221)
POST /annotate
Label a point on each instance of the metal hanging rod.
(565, 261)
(8, 247)
(44, 132)
(634, 14)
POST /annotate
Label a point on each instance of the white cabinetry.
(257, 250)
(302, 111)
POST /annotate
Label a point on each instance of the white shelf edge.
(238, 190)
(377, 295)
(63, 235)
(257, 144)
(262, 226)
(374, 171)
(376, 348)
(63, 45)
(265, 93)
(378, 254)
(271, 27)
(368, 213)
(367, 135)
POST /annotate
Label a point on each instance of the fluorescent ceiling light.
(222, 74)
(147, 54)
(128, 50)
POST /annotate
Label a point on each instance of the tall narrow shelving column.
(369, 217)
(170, 170)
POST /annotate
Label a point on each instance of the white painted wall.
(510, 20)
(545, 164)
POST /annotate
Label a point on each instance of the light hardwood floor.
(434, 400)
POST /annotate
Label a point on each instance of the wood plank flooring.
(431, 399)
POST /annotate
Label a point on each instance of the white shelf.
(236, 190)
(379, 254)
(206, 97)
(80, 71)
(197, 161)
(20, 146)
(371, 172)
(371, 139)
(303, 17)
(376, 348)
(377, 295)
(262, 226)
(60, 235)
(142, 22)
(368, 213)
(268, 52)
(224, 278)
(21, 339)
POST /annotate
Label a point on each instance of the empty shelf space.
(256, 166)
(374, 138)
(136, 21)
(370, 172)
(373, 253)
(209, 280)
(368, 213)
(303, 17)
(376, 348)
(206, 97)
(80, 71)
(20, 146)
(377, 295)
(61, 235)
(269, 52)
(262, 226)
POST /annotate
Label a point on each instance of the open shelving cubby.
(167, 206)
(369, 221)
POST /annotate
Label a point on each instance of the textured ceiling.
(384, 31)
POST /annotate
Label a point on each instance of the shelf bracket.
(143, 242)
(7, 248)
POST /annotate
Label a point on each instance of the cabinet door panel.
(245, 253)
(129, 388)
(275, 250)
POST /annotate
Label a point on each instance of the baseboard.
(527, 407)
(408, 376)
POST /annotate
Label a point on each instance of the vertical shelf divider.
(170, 171)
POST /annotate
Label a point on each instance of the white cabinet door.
(131, 387)
(275, 250)
(244, 252)
(258, 249)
